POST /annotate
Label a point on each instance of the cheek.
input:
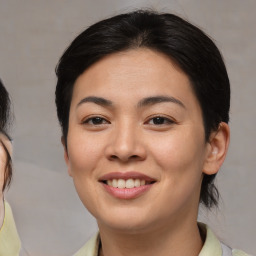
(180, 159)
(181, 156)
(83, 152)
(83, 161)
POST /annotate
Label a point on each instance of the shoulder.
(227, 251)
(9, 238)
(236, 252)
(90, 248)
(213, 247)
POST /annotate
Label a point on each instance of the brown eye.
(96, 121)
(159, 120)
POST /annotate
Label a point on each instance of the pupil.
(97, 120)
(158, 120)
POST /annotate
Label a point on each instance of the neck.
(181, 239)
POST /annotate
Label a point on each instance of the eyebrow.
(142, 103)
(159, 99)
(97, 100)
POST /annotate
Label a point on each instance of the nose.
(126, 144)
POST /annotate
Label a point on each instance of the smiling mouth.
(127, 183)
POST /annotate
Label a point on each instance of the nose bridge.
(125, 137)
(126, 143)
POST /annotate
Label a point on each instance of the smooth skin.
(136, 111)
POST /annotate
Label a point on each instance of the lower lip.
(127, 193)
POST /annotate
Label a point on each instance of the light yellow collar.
(10, 241)
(212, 246)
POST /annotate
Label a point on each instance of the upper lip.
(126, 176)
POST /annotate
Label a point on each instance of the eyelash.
(167, 121)
(162, 120)
(90, 119)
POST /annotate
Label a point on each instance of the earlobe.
(66, 157)
(217, 149)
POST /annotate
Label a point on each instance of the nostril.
(115, 157)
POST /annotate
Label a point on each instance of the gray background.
(33, 34)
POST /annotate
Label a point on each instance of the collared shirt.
(212, 246)
(10, 244)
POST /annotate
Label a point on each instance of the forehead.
(131, 70)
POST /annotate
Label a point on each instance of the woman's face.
(136, 145)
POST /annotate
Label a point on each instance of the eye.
(96, 120)
(160, 120)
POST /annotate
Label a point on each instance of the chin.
(128, 225)
(126, 220)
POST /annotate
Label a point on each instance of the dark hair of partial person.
(185, 44)
(5, 119)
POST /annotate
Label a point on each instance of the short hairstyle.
(185, 44)
(5, 119)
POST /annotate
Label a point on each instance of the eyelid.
(89, 118)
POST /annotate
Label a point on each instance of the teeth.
(114, 183)
(120, 183)
(130, 183)
(137, 183)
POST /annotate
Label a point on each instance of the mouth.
(126, 179)
(129, 183)
(126, 185)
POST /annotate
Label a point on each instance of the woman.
(143, 101)
(9, 239)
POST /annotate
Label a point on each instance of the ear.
(217, 149)
(7, 143)
(66, 155)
